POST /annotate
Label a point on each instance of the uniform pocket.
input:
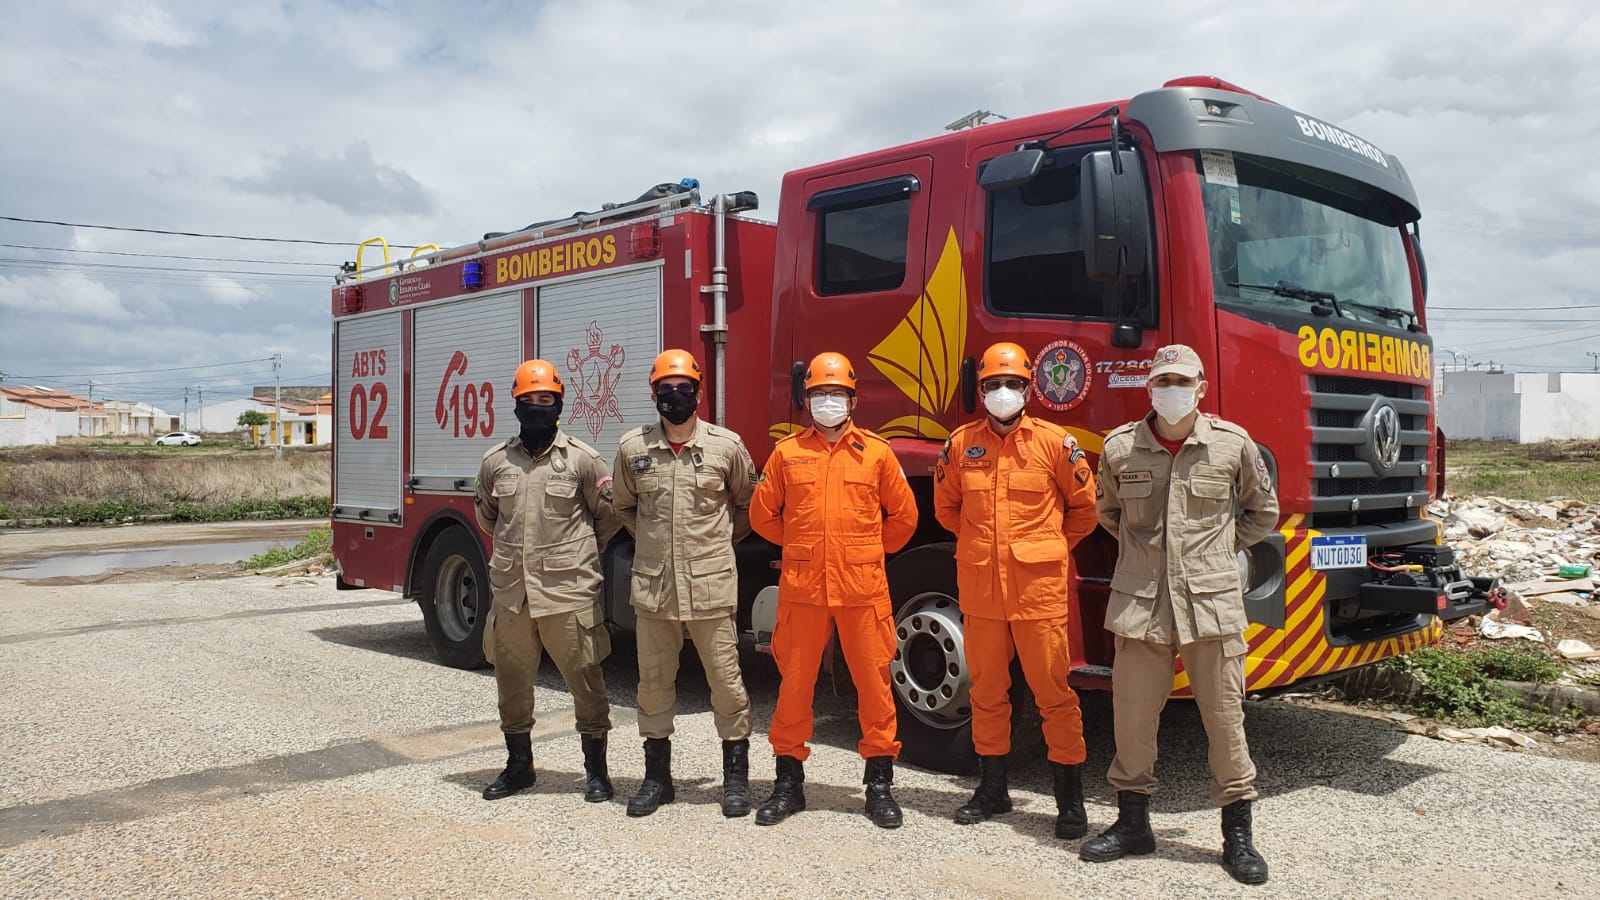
(1136, 584)
(710, 492)
(713, 583)
(560, 497)
(594, 641)
(646, 590)
(861, 488)
(503, 565)
(802, 486)
(1209, 498)
(1030, 497)
(864, 573)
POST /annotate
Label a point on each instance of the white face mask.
(1003, 403)
(1172, 403)
(829, 411)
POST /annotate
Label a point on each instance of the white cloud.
(338, 121)
(149, 23)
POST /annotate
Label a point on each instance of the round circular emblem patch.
(1062, 376)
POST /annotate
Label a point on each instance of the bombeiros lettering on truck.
(1283, 249)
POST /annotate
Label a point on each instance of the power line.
(239, 362)
(269, 262)
(199, 234)
(1515, 309)
(57, 265)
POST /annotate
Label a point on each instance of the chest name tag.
(1133, 477)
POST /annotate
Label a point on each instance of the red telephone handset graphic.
(458, 363)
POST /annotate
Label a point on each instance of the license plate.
(1338, 552)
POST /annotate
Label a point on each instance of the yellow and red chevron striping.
(1299, 650)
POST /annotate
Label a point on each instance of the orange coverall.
(1017, 504)
(835, 509)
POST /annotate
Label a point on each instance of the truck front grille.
(1351, 486)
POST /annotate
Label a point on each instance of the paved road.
(272, 736)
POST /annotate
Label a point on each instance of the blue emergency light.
(471, 275)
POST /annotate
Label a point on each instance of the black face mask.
(538, 424)
(677, 407)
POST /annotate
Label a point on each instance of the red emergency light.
(350, 299)
(644, 241)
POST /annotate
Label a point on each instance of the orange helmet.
(830, 369)
(536, 375)
(1005, 358)
(675, 364)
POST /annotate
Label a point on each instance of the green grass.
(1461, 687)
(318, 543)
(1523, 471)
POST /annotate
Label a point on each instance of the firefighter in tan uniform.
(545, 499)
(1183, 493)
(1018, 494)
(683, 488)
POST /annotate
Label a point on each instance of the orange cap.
(675, 363)
(1005, 358)
(536, 375)
(830, 369)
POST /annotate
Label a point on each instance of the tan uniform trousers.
(1141, 680)
(717, 642)
(575, 643)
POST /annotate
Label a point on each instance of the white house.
(22, 425)
(1520, 406)
(64, 409)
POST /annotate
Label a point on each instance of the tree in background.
(253, 418)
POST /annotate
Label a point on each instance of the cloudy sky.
(435, 122)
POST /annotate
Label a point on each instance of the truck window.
(862, 235)
(1034, 265)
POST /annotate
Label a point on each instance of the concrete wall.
(1481, 406)
(1520, 406)
(1568, 407)
(27, 426)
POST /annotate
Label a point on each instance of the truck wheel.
(929, 672)
(454, 596)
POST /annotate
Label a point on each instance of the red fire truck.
(1284, 249)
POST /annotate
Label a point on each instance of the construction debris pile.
(1520, 540)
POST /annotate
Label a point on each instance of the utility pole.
(185, 409)
(201, 391)
(1595, 354)
(91, 411)
(277, 405)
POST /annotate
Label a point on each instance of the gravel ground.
(271, 736)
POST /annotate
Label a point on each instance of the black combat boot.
(993, 795)
(1130, 834)
(735, 778)
(656, 788)
(1071, 820)
(881, 808)
(597, 780)
(1239, 854)
(788, 793)
(519, 772)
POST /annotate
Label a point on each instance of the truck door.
(367, 399)
(862, 266)
(461, 406)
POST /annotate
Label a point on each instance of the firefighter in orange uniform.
(835, 499)
(1018, 494)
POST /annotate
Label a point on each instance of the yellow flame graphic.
(922, 355)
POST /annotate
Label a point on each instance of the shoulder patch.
(944, 452)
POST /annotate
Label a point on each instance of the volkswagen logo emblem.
(1382, 425)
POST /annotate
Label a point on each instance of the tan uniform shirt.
(686, 511)
(549, 517)
(1180, 521)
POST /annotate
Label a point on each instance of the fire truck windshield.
(1286, 226)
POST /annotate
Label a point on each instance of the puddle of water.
(93, 563)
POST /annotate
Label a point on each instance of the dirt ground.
(23, 546)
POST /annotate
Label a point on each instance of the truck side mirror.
(969, 384)
(797, 384)
(1011, 170)
(1115, 229)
